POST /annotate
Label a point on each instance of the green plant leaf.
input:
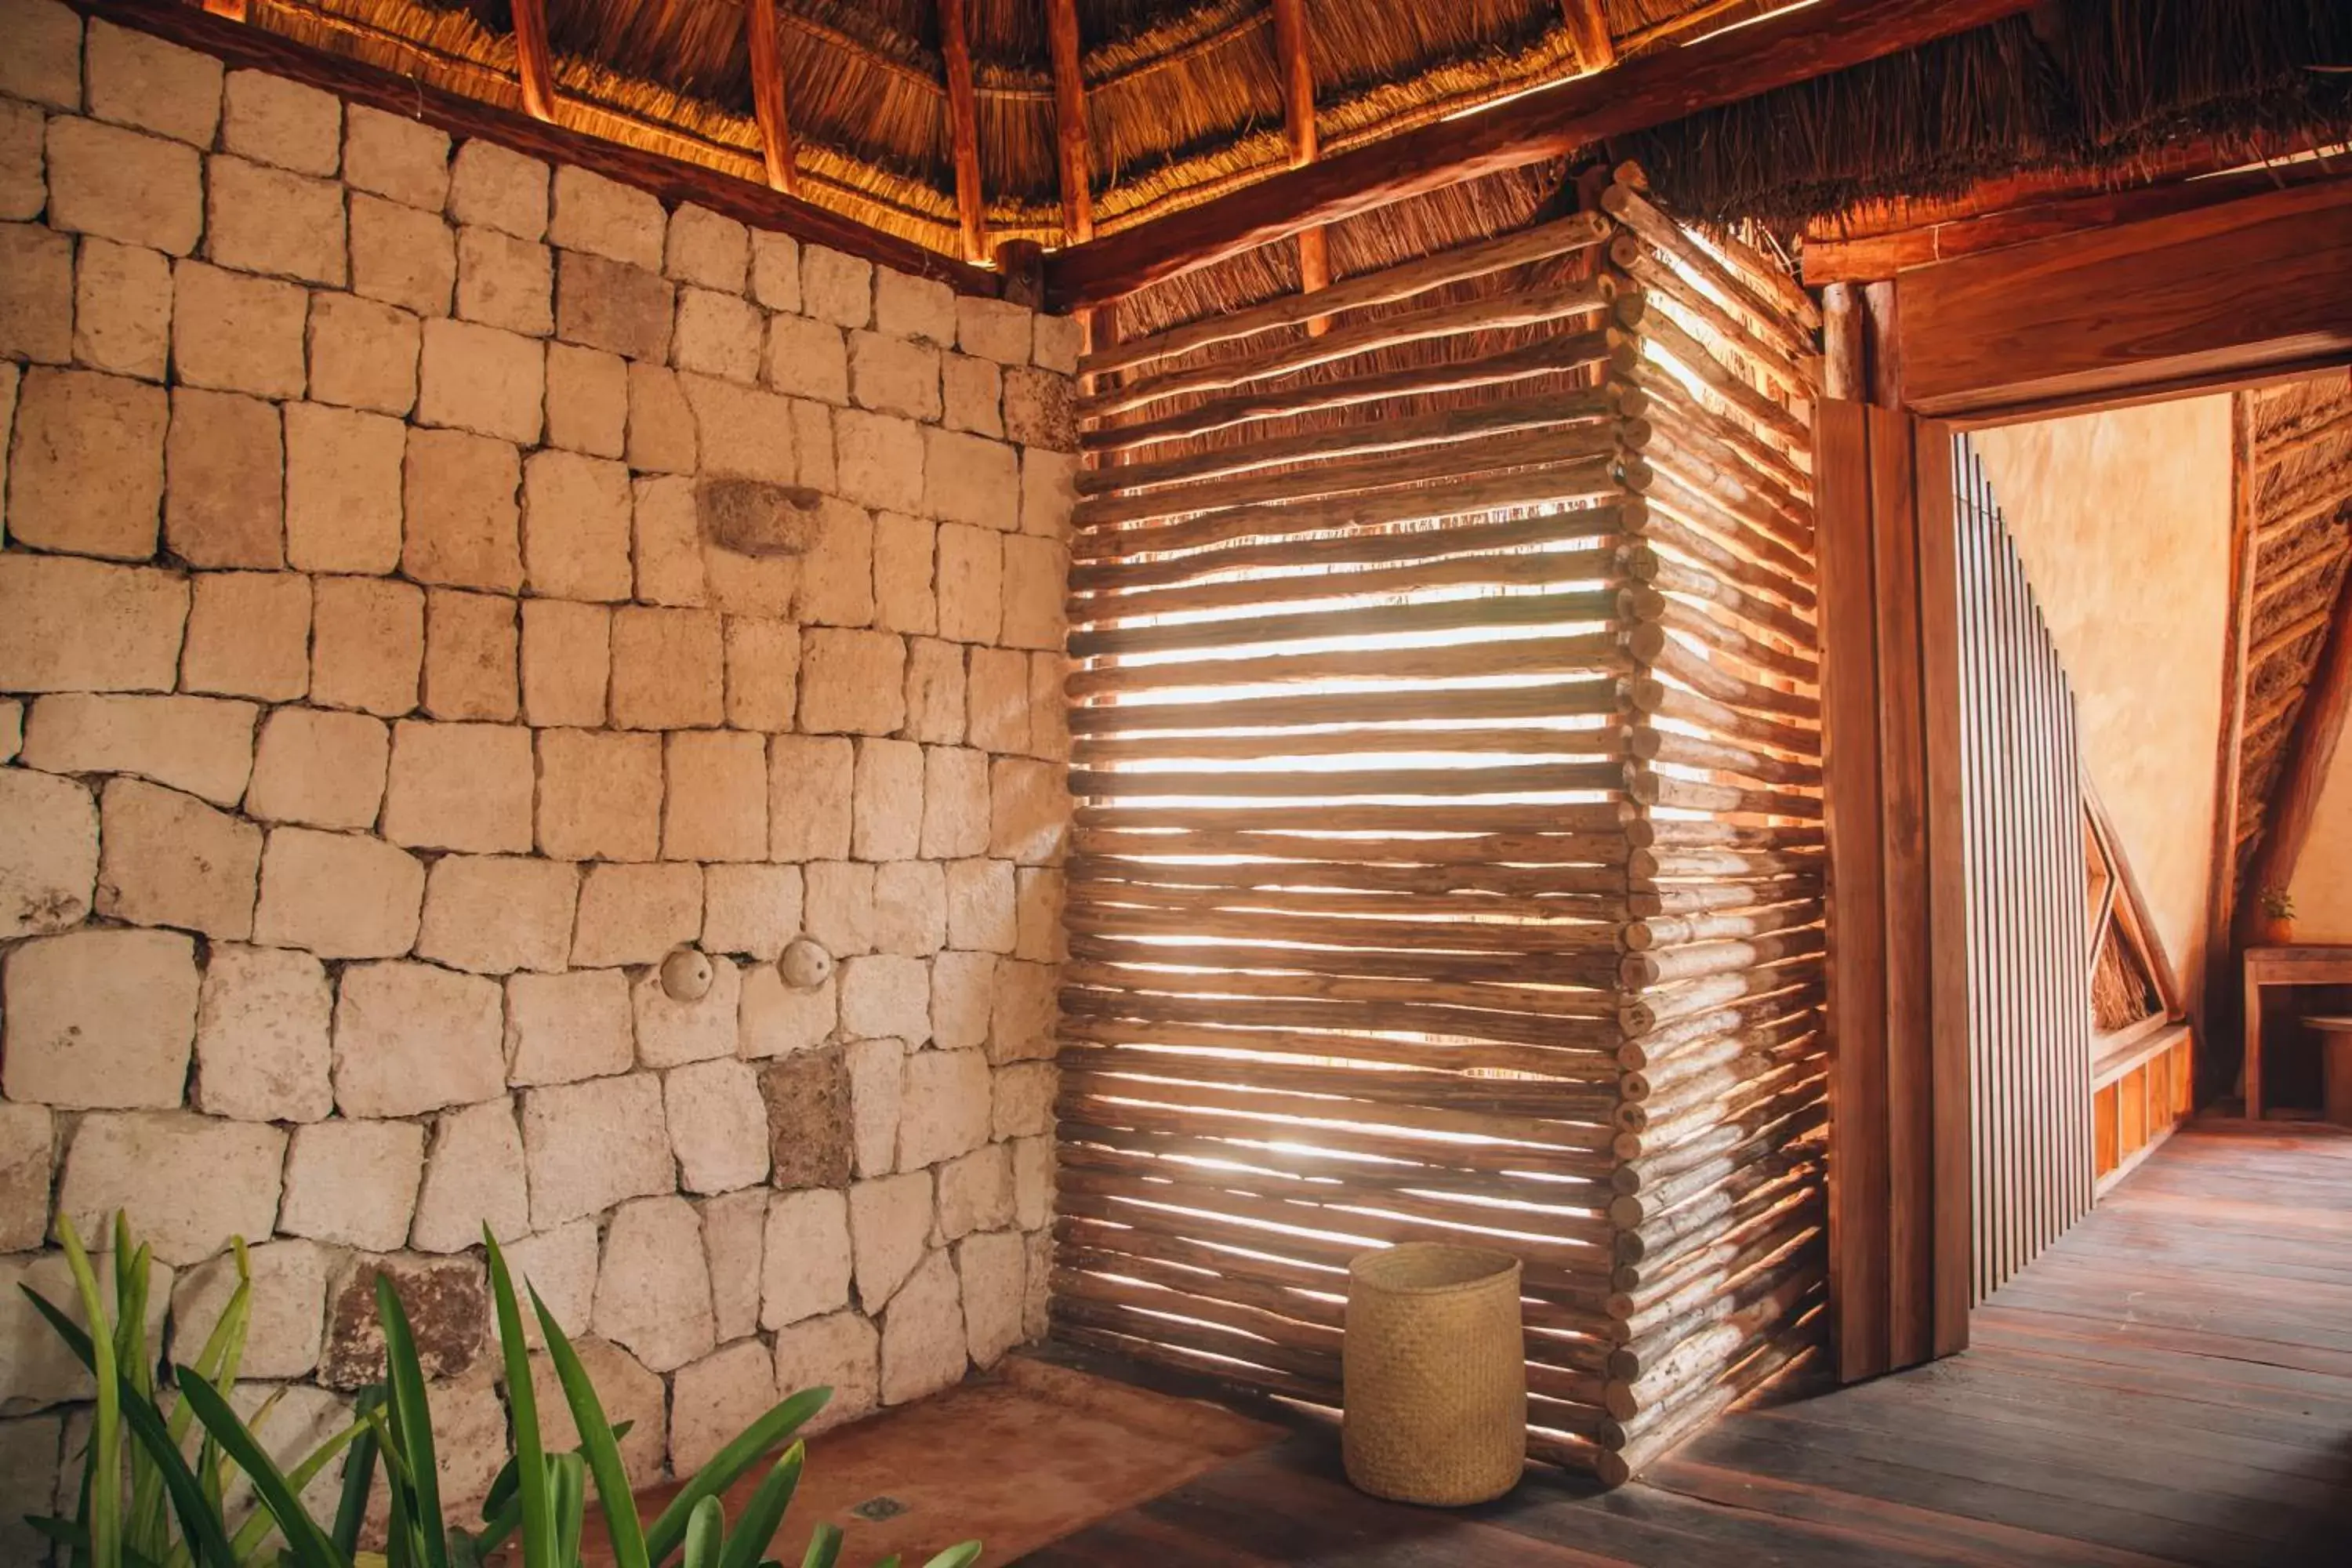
(105, 1457)
(824, 1546)
(411, 1425)
(568, 1480)
(751, 1445)
(706, 1535)
(963, 1555)
(765, 1513)
(621, 1525)
(359, 1473)
(306, 1543)
(249, 1538)
(538, 1517)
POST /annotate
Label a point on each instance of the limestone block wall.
(436, 588)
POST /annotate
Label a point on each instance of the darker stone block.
(807, 1096)
(446, 1300)
(753, 516)
(613, 306)
(1037, 409)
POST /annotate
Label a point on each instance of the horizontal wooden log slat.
(1700, 546)
(1594, 1038)
(1582, 653)
(1279, 917)
(1526, 569)
(1564, 1062)
(1435, 783)
(1263, 950)
(1655, 696)
(1626, 205)
(1586, 1013)
(1769, 418)
(1261, 1135)
(1531, 882)
(1697, 583)
(1437, 816)
(1799, 375)
(1571, 699)
(1692, 667)
(1720, 435)
(1580, 606)
(1673, 496)
(1742, 497)
(1537, 913)
(1690, 752)
(1515, 741)
(1604, 853)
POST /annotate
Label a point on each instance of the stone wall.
(436, 589)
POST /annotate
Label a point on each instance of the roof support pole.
(964, 130)
(1588, 25)
(532, 61)
(1072, 142)
(1293, 48)
(2310, 751)
(767, 96)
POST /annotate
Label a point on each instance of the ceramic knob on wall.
(686, 975)
(805, 966)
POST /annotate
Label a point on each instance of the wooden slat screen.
(1447, 859)
(2029, 988)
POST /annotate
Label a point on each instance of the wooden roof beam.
(964, 130)
(1587, 28)
(1073, 142)
(1294, 50)
(1536, 127)
(533, 63)
(767, 96)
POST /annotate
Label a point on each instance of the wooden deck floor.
(2171, 1384)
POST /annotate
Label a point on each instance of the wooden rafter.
(533, 63)
(1587, 24)
(2293, 800)
(964, 130)
(767, 96)
(1073, 143)
(234, 10)
(1294, 49)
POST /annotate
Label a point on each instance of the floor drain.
(874, 1509)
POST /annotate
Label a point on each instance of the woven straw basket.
(1436, 1375)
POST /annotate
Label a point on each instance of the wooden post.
(1072, 142)
(1293, 48)
(1587, 24)
(2221, 864)
(768, 95)
(532, 62)
(964, 130)
(2310, 751)
(1883, 357)
(1843, 330)
(1022, 264)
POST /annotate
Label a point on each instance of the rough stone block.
(910, 908)
(751, 909)
(282, 122)
(560, 1266)
(955, 803)
(353, 1183)
(409, 1038)
(775, 270)
(909, 307)
(338, 894)
(976, 1191)
(493, 914)
(29, 1451)
(474, 1178)
(23, 185)
(1055, 342)
(261, 1042)
(590, 1146)
(838, 573)
(1033, 1183)
(27, 1147)
(852, 681)
(199, 744)
(506, 282)
(935, 690)
(1027, 1013)
(1023, 1102)
(999, 699)
(807, 359)
(981, 906)
(82, 625)
(604, 217)
(367, 645)
(717, 334)
(840, 906)
(99, 1017)
(169, 859)
(813, 444)
(123, 309)
(718, 1125)
(86, 474)
(1040, 931)
(806, 1266)
(887, 800)
(886, 994)
(1036, 584)
(763, 659)
(809, 795)
(137, 1162)
(668, 668)
(672, 1032)
(890, 1230)
(576, 526)
(36, 1367)
(741, 430)
(974, 390)
(733, 1230)
(587, 400)
(141, 190)
(993, 1267)
(289, 1308)
(260, 219)
(611, 306)
(146, 83)
(1049, 709)
(44, 60)
(993, 329)
(1029, 810)
(460, 786)
(779, 1019)
(497, 188)
(807, 1099)
(390, 155)
(599, 795)
(841, 1351)
(1037, 411)
(343, 488)
(715, 805)
(837, 287)
(637, 914)
(653, 1289)
(963, 989)
(970, 583)
(226, 464)
(970, 478)
(470, 648)
(669, 538)
(923, 1340)
(447, 1302)
(944, 1111)
(717, 1397)
(478, 378)
(894, 376)
(363, 354)
(876, 1076)
(1048, 492)
(464, 529)
(763, 585)
(879, 459)
(627, 1389)
(566, 655)
(563, 1027)
(903, 600)
(36, 293)
(707, 249)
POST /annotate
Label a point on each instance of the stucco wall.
(2322, 878)
(2123, 518)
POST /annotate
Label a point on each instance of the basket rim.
(1494, 1264)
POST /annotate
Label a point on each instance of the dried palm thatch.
(2084, 84)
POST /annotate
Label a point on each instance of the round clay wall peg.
(805, 966)
(686, 975)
